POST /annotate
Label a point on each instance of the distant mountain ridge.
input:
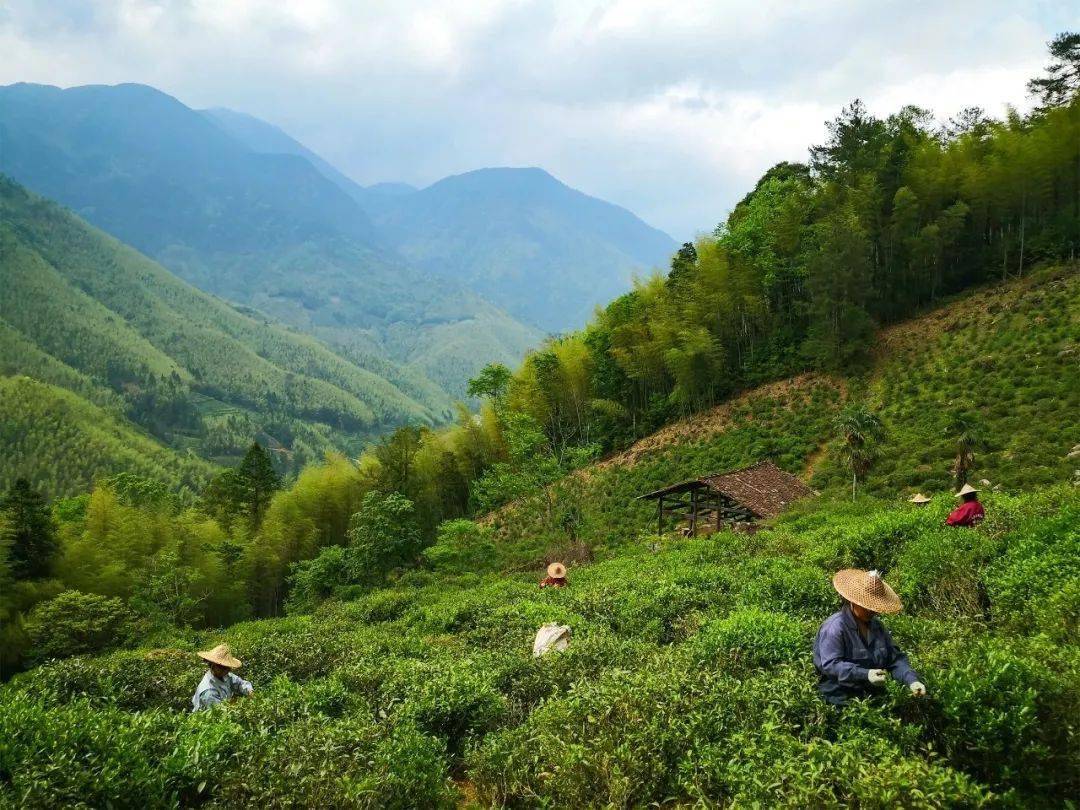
(423, 286)
(540, 249)
(547, 253)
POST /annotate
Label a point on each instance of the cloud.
(671, 109)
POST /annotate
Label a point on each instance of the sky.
(672, 109)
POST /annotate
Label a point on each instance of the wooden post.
(719, 508)
(660, 516)
(693, 513)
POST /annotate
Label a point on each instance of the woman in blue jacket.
(854, 654)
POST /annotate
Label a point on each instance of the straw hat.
(221, 654)
(866, 589)
(918, 497)
(556, 570)
(966, 489)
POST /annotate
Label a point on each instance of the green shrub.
(75, 623)
(995, 713)
(1041, 559)
(784, 585)
(752, 638)
(129, 679)
(462, 546)
(314, 581)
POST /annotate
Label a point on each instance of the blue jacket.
(843, 660)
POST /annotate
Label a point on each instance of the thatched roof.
(762, 488)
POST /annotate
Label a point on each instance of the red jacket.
(552, 582)
(966, 514)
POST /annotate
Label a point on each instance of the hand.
(917, 689)
(877, 676)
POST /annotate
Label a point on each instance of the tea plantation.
(688, 680)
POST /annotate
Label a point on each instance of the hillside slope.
(266, 230)
(63, 443)
(688, 678)
(82, 311)
(1007, 353)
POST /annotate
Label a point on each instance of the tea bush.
(75, 623)
(687, 680)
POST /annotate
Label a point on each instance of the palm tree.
(860, 430)
(967, 431)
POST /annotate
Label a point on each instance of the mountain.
(545, 252)
(264, 138)
(80, 311)
(266, 230)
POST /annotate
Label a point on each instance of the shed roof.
(763, 488)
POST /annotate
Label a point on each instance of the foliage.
(460, 547)
(859, 431)
(29, 529)
(75, 623)
(687, 679)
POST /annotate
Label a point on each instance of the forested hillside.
(259, 229)
(80, 311)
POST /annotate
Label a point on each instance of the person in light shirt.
(220, 684)
(853, 653)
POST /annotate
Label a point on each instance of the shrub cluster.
(688, 679)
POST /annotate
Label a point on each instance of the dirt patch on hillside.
(699, 427)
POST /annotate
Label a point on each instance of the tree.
(968, 432)
(258, 481)
(682, 265)
(1062, 79)
(31, 531)
(384, 534)
(491, 382)
(854, 143)
(244, 491)
(860, 430)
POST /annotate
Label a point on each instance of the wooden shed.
(747, 495)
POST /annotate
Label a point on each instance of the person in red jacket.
(970, 512)
(556, 576)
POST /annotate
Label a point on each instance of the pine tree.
(1062, 79)
(256, 482)
(30, 529)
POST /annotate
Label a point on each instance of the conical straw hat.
(221, 654)
(965, 489)
(867, 589)
(556, 570)
(918, 497)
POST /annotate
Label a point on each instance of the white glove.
(877, 676)
(917, 689)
